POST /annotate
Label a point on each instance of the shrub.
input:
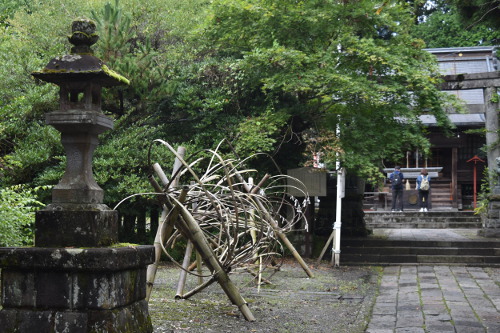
(18, 204)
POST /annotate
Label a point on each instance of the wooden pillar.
(490, 110)
(129, 228)
(154, 218)
(141, 227)
(309, 236)
(454, 185)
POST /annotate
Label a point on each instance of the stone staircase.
(432, 246)
(440, 195)
(427, 220)
(401, 252)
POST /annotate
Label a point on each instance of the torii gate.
(489, 82)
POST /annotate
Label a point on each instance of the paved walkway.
(435, 299)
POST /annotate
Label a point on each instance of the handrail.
(385, 194)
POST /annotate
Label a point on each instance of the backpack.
(396, 180)
(424, 184)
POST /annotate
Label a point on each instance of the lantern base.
(74, 225)
(75, 290)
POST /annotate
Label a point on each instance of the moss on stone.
(115, 75)
(123, 245)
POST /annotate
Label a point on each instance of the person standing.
(423, 187)
(397, 179)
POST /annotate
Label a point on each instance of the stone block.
(75, 290)
(18, 289)
(34, 321)
(78, 228)
(73, 259)
(95, 290)
(108, 290)
(74, 322)
(140, 283)
(8, 320)
(53, 290)
(132, 318)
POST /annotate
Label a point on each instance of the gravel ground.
(335, 300)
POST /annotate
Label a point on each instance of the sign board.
(311, 180)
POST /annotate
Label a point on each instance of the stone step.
(376, 259)
(419, 220)
(389, 252)
(382, 243)
(424, 218)
(429, 251)
(426, 225)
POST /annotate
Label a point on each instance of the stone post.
(74, 279)
(491, 220)
(491, 106)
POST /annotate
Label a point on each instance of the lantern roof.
(81, 65)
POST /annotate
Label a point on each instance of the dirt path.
(336, 300)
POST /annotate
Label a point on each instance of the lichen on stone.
(75, 251)
(71, 57)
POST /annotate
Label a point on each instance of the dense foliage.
(446, 18)
(479, 12)
(17, 210)
(323, 65)
(290, 78)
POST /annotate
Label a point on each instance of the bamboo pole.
(259, 277)
(277, 230)
(181, 151)
(253, 231)
(325, 247)
(201, 244)
(183, 273)
(198, 288)
(164, 229)
(151, 270)
(198, 268)
(287, 243)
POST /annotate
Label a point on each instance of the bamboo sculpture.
(226, 221)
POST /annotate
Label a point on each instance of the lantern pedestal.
(75, 290)
(58, 226)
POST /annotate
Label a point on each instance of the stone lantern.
(73, 280)
(80, 77)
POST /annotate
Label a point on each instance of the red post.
(475, 159)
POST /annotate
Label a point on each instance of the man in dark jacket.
(397, 179)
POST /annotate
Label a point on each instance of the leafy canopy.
(351, 66)
(272, 76)
(446, 20)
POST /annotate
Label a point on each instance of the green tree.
(326, 65)
(445, 21)
(268, 75)
(136, 40)
(479, 12)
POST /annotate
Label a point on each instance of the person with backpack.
(423, 187)
(397, 189)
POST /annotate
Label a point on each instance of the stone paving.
(435, 299)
